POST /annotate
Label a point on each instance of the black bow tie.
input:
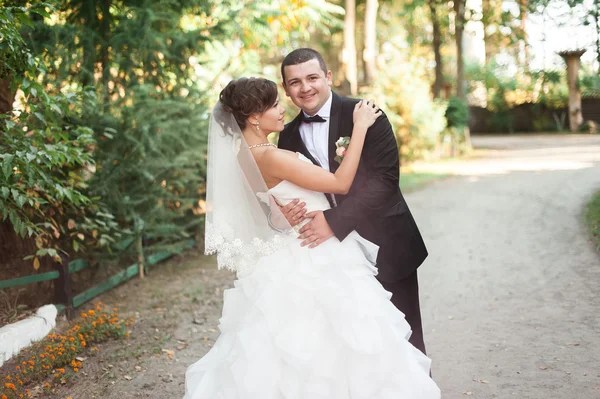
(311, 119)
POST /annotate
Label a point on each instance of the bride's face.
(272, 119)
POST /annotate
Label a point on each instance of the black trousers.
(405, 296)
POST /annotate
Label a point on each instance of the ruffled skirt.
(312, 324)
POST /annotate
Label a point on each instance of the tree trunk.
(459, 9)
(89, 43)
(370, 52)
(596, 15)
(7, 96)
(437, 49)
(491, 17)
(349, 51)
(485, 20)
(573, 61)
(461, 90)
(105, 31)
(523, 27)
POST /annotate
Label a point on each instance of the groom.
(374, 206)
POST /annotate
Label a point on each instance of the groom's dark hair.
(300, 56)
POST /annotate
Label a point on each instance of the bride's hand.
(365, 114)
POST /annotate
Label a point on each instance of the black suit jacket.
(374, 206)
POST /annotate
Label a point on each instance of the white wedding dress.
(311, 324)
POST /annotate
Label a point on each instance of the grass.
(592, 218)
(410, 180)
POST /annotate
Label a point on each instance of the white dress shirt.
(316, 135)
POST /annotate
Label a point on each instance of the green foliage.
(45, 152)
(417, 119)
(150, 130)
(546, 91)
(457, 113)
(156, 67)
(15, 58)
(151, 166)
(457, 121)
(592, 218)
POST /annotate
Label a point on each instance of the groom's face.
(307, 85)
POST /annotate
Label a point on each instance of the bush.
(45, 156)
(417, 119)
(457, 113)
(151, 166)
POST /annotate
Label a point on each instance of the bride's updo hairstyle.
(246, 96)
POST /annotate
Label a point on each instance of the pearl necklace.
(261, 145)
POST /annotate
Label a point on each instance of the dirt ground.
(510, 291)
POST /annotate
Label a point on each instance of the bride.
(300, 322)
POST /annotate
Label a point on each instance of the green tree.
(45, 153)
(155, 66)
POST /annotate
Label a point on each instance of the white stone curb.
(21, 334)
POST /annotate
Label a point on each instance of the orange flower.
(91, 312)
(4, 396)
(75, 369)
(47, 385)
(8, 378)
(9, 385)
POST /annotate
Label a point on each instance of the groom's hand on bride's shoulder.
(317, 231)
(294, 212)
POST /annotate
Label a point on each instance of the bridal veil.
(238, 207)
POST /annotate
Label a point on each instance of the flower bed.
(57, 357)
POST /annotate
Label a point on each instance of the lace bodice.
(286, 192)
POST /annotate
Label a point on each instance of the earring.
(257, 124)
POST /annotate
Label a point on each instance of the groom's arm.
(383, 170)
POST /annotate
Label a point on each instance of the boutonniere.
(342, 146)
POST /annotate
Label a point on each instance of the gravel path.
(510, 289)
(509, 292)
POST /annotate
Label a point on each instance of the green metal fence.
(64, 299)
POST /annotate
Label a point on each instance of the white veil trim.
(237, 220)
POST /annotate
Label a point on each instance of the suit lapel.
(334, 130)
(297, 142)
